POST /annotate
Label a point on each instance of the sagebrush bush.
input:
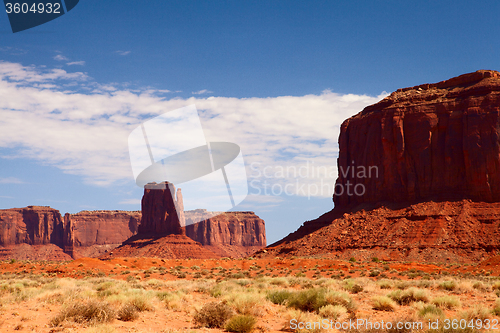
(383, 303)
(308, 300)
(90, 311)
(332, 311)
(430, 310)
(279, 297)
(127, 312)
(448, 285)
(446, 302)
(213, 315)
(241, 324)
(405, 297)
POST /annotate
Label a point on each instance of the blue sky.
(275, 77)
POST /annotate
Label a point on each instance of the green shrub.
(446, 302)
(448, 285)
(308, 300)
(352, 286)
(90, 311)
(383, 303)
(332, 311)
(405, 297)
(496, 308)
(279, 296)
(339, 298)
(213, 315)
(241, 324)
(430, 310)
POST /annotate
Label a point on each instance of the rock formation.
(232, 234)
(159, 210)
(34, 225)
(430, 142)
(161, 233)
(94, 233)
(90, 233)
(419, 172)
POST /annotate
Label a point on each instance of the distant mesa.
(38, 232)
(436, 190)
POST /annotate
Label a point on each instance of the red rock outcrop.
(159, 210)
(231, 234)
(161, 233)
(90, 233)
(430, 142)
(457, 231)
(33, 225)
(419, 177)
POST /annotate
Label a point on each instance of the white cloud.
(60, 57)
(123, 53)
(130, 202)
(201, 92)
(79, 63)
(11, 180)
(87, 134)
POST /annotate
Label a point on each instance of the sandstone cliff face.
(159, 210)
(34, 225)
(232, 234)
(89, 228)
(419, 178)
(232, 228)
(433, 141)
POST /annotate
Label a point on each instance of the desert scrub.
(296, 316)
(279, 297)
(478, 312)
(384, 284)
(247, 303)
(213, 315)
(352, 286)
(241, 324)
(496, 308)
(429, 311)
(308, 300)
(383, 303)
(339, 298)
(446, 302)
(332, 311)
(408, 296)
(448, 285)
(91, 311)
(127, 312)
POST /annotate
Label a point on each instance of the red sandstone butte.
(231, 234)
(436, 193)
(161, 234)
(90, 233)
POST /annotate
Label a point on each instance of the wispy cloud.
(86, 134)
(201, 92)
(11, 180)
(123, 53)
(60, 57)
(130, 202)
(80, 63)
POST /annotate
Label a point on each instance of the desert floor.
(258, 295)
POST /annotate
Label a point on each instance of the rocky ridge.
(434, 188)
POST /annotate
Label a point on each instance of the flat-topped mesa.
(34, 225)
(429, 142)
(159, 210)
